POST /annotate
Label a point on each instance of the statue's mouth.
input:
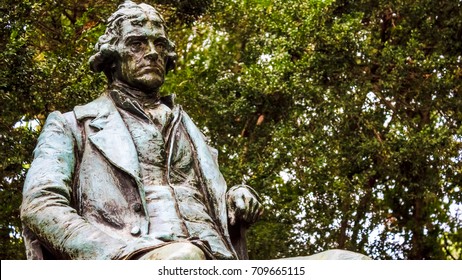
(149, 69)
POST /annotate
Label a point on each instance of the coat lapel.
(112, 137)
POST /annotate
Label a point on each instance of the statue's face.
(143, 55)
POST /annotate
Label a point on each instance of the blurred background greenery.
(344, 115)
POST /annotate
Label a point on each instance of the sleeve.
(46, 208)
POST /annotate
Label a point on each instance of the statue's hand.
(243, 205)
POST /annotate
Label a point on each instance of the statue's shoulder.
(97, 107)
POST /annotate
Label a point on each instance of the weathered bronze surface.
(129, 175)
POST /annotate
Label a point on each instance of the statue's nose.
(152, 53)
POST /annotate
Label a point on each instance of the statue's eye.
(160, 47)
(136, 46)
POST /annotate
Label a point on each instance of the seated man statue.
(129, 175)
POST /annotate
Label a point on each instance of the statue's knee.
(187, 251)
(176, 251)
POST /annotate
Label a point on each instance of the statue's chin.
(149, 85)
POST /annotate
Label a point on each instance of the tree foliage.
(344, 115)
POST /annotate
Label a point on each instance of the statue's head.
(135, 49)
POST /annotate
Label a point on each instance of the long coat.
(83, 197)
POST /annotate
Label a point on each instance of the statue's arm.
(46, 207)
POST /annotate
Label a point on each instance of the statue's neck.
(135, 93)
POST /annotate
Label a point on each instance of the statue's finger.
(231, 216)
(240, 203)
(256, 212)
(248, 209)
(260, 211)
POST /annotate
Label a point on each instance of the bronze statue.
(129, 175)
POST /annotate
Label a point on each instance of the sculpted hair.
(106, 52)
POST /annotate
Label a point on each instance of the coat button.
(135, 230)
(137, 207)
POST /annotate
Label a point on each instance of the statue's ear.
(171, 57)
(171, 61)
(104, 58)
